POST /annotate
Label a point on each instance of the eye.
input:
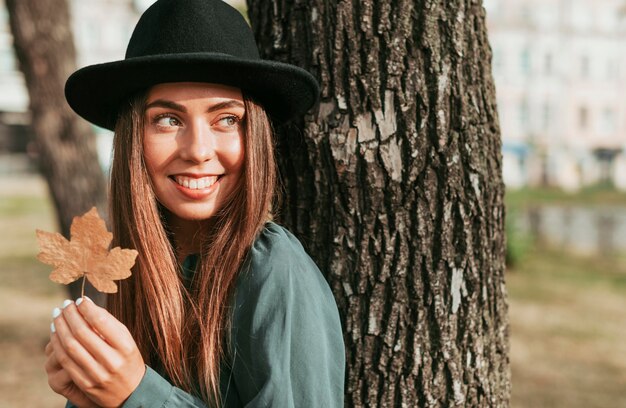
(166, 120)
(229, 122)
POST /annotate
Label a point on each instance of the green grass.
(594, 195)
(24, 205)
(568, 325)
(545, 268)
(26, 268)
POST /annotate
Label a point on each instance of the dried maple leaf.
(86, 254)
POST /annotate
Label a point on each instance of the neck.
(188, 236)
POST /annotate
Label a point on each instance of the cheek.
(149, 160)
(232, 153)
(154, 155)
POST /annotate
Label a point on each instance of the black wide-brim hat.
(190, 41)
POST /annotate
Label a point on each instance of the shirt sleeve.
(287, 344)
(156, 392)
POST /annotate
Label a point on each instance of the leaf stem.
(82, 289)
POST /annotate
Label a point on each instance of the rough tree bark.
(394, 184)
(66, 145)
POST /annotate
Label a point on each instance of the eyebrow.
(163, 103)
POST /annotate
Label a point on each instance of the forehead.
(181, 91)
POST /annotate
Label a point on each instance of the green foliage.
(517, 242)
(517, 201)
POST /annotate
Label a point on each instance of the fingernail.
(88, 298)
(56, 312)
(66, 303)
(52, 328)
(79, 301)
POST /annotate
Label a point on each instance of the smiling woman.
(224, 307)
(193, 147)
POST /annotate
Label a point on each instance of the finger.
(52, 364)
(80, 360)
(76, 373)
(93, 343)
(113, 331)
(48, 349)
(61, 382)
(59, 379)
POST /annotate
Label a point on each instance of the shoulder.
(282, 299)
(275, 241)
(278, 255)
(279, 272)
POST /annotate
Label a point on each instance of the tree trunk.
(66, 145)
(394, 185)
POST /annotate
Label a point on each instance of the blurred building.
(559, 68)
(101, 31)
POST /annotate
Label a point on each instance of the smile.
(193, 183)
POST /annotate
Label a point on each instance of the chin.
(198, 217)
(194, 215)
(189, 213)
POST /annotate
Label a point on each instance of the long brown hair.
(185, 331)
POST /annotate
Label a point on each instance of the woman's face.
(193, 146)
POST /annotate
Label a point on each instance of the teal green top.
(286, 336)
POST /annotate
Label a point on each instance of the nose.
(197, 143)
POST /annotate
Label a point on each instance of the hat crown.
(190, 41)
(192, 26)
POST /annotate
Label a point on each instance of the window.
(608, 121)
(547, 64)
(584, 66)
(583, 117)
(608, 18)
(581, 16)
(546, 116)
(524, 115)
(525, 14)
(612, 69)
(547, 15)
(525, 61)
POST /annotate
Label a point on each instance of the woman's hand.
(98, 354)
(61, 382)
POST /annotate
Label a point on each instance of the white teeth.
(195, 183)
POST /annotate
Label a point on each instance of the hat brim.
(96, 92)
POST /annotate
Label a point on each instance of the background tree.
(65, 143)
(394, 184)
